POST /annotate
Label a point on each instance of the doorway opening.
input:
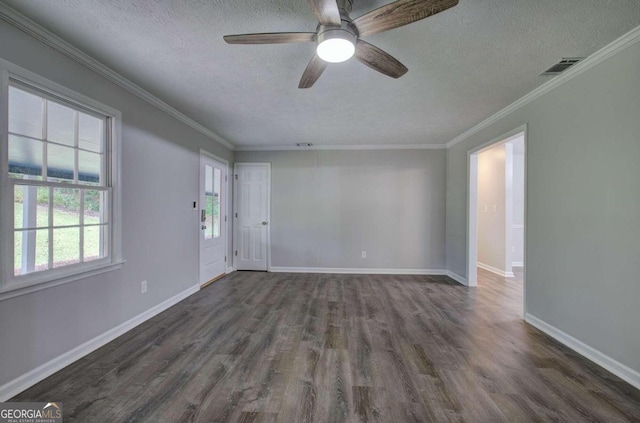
(497, 215)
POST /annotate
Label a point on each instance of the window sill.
(18, 290)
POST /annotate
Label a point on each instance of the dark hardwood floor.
(260, 347)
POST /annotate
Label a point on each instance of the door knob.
(264, 223)
(204, 227)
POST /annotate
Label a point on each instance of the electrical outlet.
(143, 287)
(364, 254)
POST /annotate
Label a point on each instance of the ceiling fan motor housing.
(346, 31)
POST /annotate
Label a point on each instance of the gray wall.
(329, 206)
(492, 208)
(583, 205)
(160, 229)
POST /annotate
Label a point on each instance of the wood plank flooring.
(260, 347)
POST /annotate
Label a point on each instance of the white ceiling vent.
(562, 65)
(304, 144)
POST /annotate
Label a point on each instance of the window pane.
(25, 113)
(31, 206)
(94, 207)
(216, 202)
(33, 246)
(66, 207)
(208, 193)
(89, 167)
(90, 137)
(25, 157)
(17, 253)
(93, 236)
(60, 126)
(60, 162)
(66, 246)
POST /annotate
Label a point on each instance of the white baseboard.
(495, 270)
(457, 278)
(357, 271)
(623, 372)
(517, 264)
(230, 269)
(19, 384)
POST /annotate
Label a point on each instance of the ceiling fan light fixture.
(336, 45)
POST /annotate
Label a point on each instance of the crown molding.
(341, 147)
(45, 36)
(627, 40)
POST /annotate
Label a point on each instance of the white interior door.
(212, 217)
(251, 240)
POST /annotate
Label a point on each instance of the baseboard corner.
(457, 278)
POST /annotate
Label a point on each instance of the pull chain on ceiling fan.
(338, 36)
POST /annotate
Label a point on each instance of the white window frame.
(10, 285)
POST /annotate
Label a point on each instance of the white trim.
(495, 270)
(34, 376)
(12, 291)
(341, 147)
(627, 40)
(517, 264)
(518, 226)
(230, 270)
(457, 278)
(624, 372)
(6, 197)
(472, 203)
(357, 271)
(48, 38)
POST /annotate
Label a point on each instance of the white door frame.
(472, 207)
(235, 208)
(226, 194)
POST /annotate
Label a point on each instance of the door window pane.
(208, 192)
(25, 113)
(217, 174)
(60, 124)
(66, 246)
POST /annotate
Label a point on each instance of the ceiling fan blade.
(379, 60)
(326, 11)
(399, 13)
(313, 71)
(271, 38)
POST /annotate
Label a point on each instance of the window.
(58, 173)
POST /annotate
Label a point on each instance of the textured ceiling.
(464, 64)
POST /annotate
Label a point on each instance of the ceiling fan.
(338, 36)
